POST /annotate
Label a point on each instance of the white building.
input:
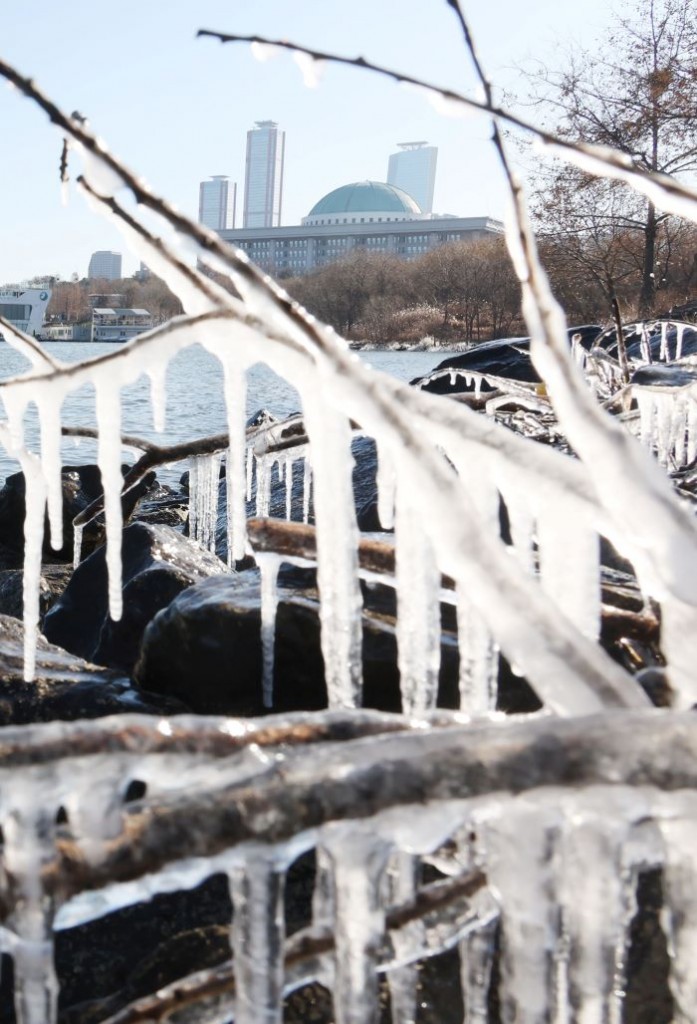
(371, 216)
(413, 169)
(217, 200)
(106, 265)
(24, 306)
(118, 325)
(263, 180)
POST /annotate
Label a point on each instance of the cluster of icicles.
(443, 472)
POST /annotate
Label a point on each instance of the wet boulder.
(52, 582)
(205, 649)
(81, 485)
(65, 687)
(158, 563)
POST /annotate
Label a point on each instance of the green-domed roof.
(365, 197)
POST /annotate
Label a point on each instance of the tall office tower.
(217, 200)
(263, 181)
(414, 171)
(105, 264)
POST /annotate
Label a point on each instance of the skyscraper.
(217, 200)
(105, 264)
(414, 171)
(263, 181)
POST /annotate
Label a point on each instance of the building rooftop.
(365, 197)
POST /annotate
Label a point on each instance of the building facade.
(263, 180)
(217, 202)
(413, 169)
(106, 265)
(365, 216)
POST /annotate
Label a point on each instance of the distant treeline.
(70, 299)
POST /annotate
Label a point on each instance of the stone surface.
(65, 687)
(157, 563)
(52, 582)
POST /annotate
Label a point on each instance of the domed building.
(364, 202)
(371, 216)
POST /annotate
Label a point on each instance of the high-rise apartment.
(263, 182)
(413, 170)
(106, 265)
(217, 200)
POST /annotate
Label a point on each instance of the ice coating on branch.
(204, 475)
(256, 888)
(268, 568)
(417, 579)
(569, 560)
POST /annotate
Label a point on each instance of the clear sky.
(177, 109)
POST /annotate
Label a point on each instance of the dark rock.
(506, 358)
(65, 687)
(81, 486)
(157, 564)
(52, 582)
(161, 506)
(665, 375)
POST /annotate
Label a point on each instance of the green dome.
(365, 197)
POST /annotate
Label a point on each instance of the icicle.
(680, 333)
(663, 356)
(664, 420)
(518, 848)
(359, 862)
(289, 487)
(691, 429)
(158, 395)
(647, 412)
(479, 660)
(310, 68)
(417, 579)
(269, 565)
(258, 932)
(337, 541)
(49, 406)
(598, 906)
(204, 476)
(28, 847)
(386, 482)
(35, 504)
(307, 487)
(403, 981)
(77, 545)
(236, 485)
(453, 378)
(679, 915)
(476, 960)
(264, 465)
(569, 556)
(249, 473)
(108, 412)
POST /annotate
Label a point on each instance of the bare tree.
(638, 94)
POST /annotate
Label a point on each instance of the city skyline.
(263, 176)
(217, 202)
(185, 106)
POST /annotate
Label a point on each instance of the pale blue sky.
(178, 109)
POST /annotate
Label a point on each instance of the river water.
(195, 404)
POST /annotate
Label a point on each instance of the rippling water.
(195, 405)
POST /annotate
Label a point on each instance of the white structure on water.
(119, 325)
(413, 169)
(372, 216)
(105, 264)
(25, 306)
(263, 181)
(217, 201)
